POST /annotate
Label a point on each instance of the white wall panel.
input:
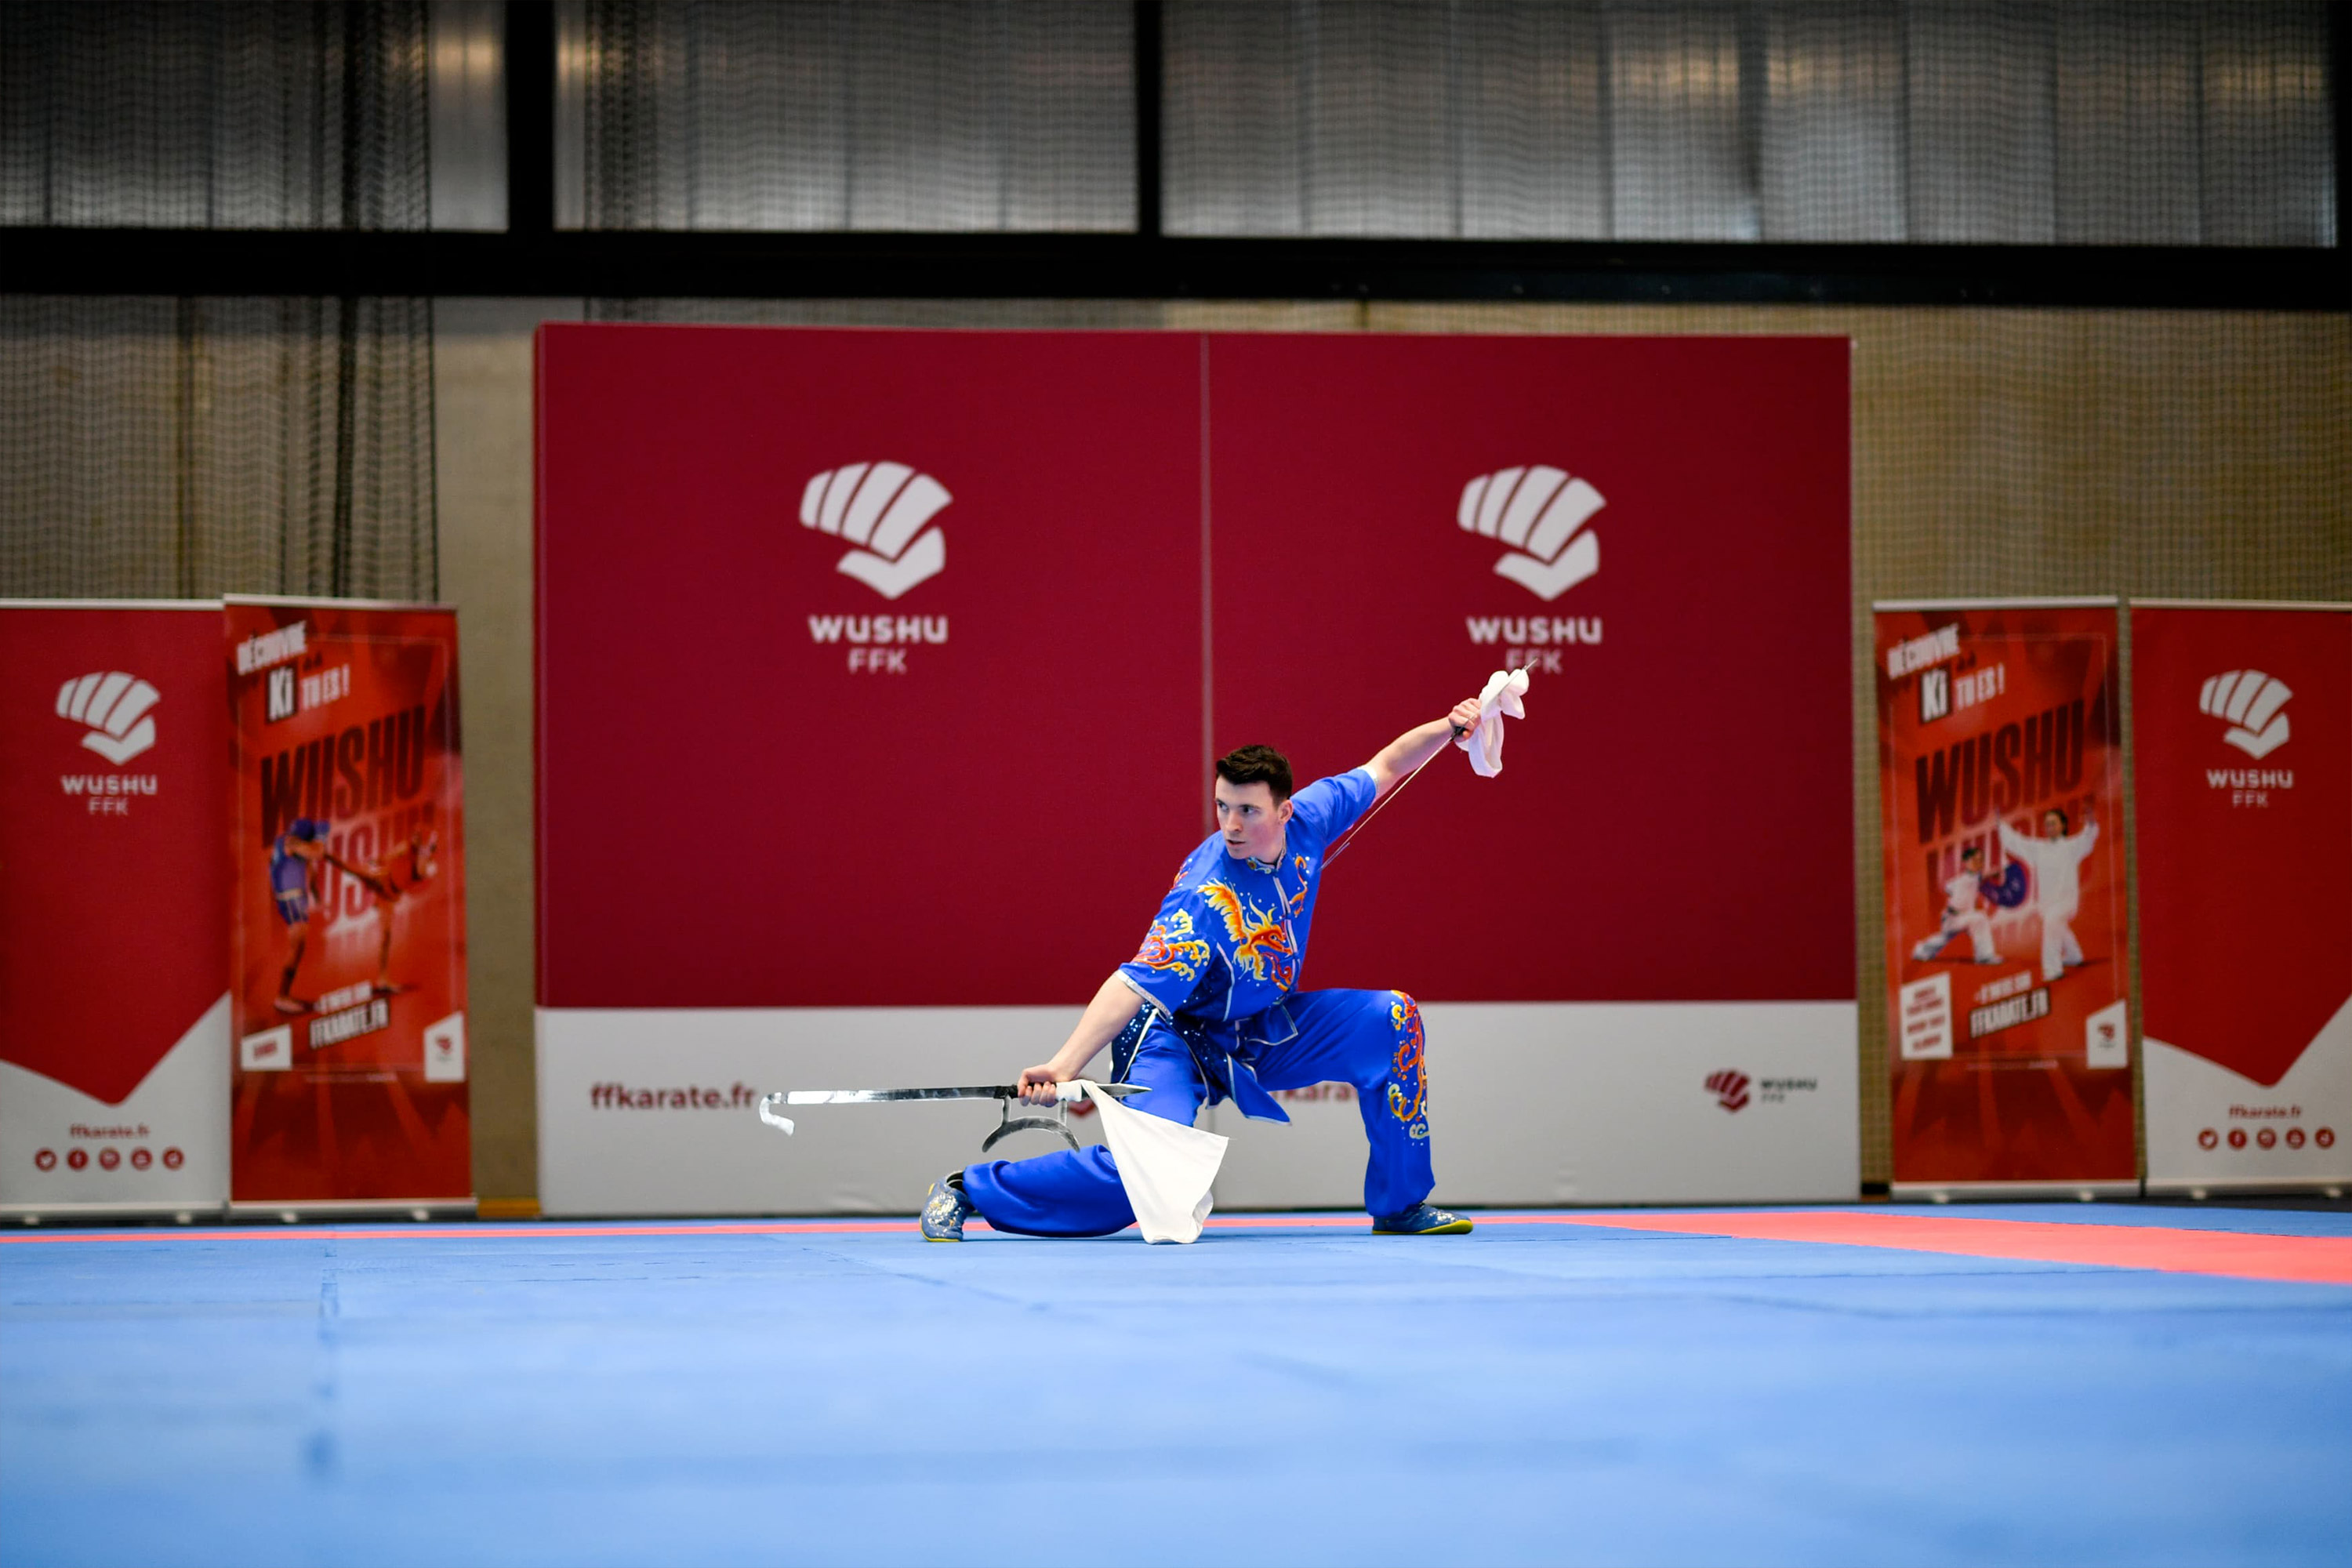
(163, 1149)
(1585, 1102)
(1531, 1103)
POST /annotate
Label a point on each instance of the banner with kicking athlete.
(114, 1013)
(348, 958)
(2001, 805)
(2241, 736)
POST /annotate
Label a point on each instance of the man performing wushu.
(1208, 1010)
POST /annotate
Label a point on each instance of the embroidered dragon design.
(1298, 899)
(1261, 938)
(1408, 1066)
(1171, 946)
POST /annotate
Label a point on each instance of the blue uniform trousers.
(1372, 1039)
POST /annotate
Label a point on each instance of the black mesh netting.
(2157, 121)
(2026, 122)
(190, 447)
(213, 116)
(882, 114)
(160, 447)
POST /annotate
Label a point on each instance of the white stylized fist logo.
(881, 508)
(1537, 511)
(114, 706)
(2250, 701)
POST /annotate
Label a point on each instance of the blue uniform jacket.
(1224, 951)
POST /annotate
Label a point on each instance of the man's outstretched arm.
(1397, 760)
(1105, 1016)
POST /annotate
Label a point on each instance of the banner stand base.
(208, 1211)
(2010, 1192)
(310, 1211)
(2250, 1188)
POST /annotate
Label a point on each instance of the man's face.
(1973, 862)
(2052, 825)
(1249, 818)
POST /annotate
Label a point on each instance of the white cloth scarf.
(1485, 744)
(1165, 1167)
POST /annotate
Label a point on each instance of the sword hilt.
(1065, 1093)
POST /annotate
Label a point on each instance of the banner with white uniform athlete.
(113, 910)
(2241, 736)
(2001, 778)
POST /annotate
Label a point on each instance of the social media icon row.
(108, 1159)
(2267, 1137)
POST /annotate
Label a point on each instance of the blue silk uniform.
(1223, 1019)
(289, 875)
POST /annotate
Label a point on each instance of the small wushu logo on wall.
(2249, 700)
(1729, 1088)
(882, 509)
(1536, 510)
(114, 706)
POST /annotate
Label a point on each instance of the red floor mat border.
(2307, 1259)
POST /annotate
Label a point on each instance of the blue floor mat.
(1530, 1394)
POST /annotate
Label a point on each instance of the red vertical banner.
(113, 910)
(2242, 735)
(2001, 778)
(346, 848)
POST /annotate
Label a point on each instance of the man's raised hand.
(1403, 756)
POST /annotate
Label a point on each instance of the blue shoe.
(1421, 1220)
(946, 1208)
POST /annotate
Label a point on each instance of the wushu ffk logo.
(2251, 703)
(1538, 512)
(884, 509)
(114, 706)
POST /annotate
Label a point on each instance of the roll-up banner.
(347, 850)
(114, 1013)
(2241, 736)
(2000, 782)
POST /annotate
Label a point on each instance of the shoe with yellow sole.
(945, 1209)
(1421, 1220)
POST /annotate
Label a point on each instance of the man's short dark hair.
(2063, 820)
(1975, 849)
(1257, 764)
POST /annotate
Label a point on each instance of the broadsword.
(1062, 1094)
